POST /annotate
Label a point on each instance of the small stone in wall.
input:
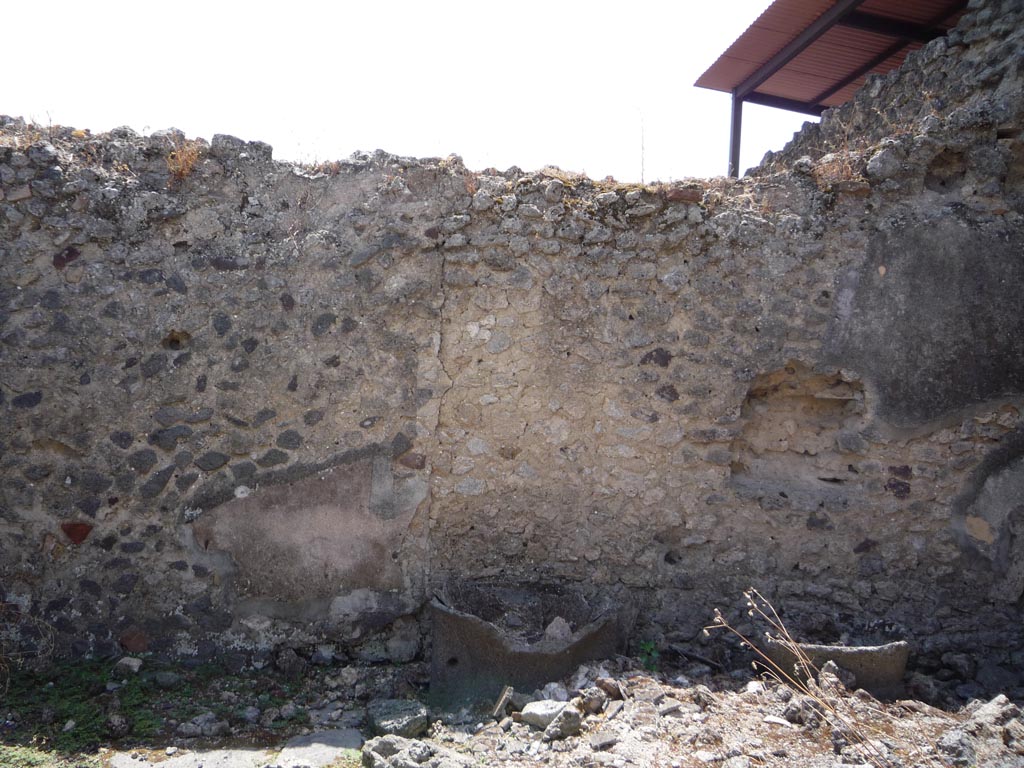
(167, 439)
(17, 194)
(884, 164)
(37, 472)
(142, 460)
(89, 505)
(413, 460)
(221, 323)
(400, 445)
(471, 486)
(667, 393)
(27, 400)
(499, 342)
(153, 365)
(482, 201)
(272, 458)
(211, 460)
(125, 583)
(476, 446)
(897, 488)
(323, 323)
(660, 357)
(289, 439)
(168, 415)
(153, 487)
(262, 416)
(553, 190)
(121, 439)
(243, 470)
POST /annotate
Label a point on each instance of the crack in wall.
(437, 427)
(441, 338)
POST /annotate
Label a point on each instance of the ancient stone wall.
(248, 403)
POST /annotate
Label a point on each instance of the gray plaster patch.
(390, 497)
(932, 318)
(994, 526)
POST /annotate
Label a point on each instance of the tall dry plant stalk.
(806, 679)
(15, 626)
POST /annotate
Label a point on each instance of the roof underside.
(808, 55)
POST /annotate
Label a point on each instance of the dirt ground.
(619, 712)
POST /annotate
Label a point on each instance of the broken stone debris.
(540, 714)
(398, 717)
(397, 752)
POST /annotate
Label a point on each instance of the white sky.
(519, 82)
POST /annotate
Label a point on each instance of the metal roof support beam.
(745, 90)
(813, 108)
(880, 25)
(892, 50)
(796, 46)
(735, 129)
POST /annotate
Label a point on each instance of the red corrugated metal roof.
(865, 33)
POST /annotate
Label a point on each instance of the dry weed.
(22, 637)
(836, 167)
(804, 678)
(327, 167)
(20, 139)
(182, 159)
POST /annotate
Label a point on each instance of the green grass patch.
(33, 757)
(43, 702)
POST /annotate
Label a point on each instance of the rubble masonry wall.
(247, 403)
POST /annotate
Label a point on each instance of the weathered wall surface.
(249, 403)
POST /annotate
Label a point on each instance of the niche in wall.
(800, 433)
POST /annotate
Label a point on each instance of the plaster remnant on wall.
(342, 530)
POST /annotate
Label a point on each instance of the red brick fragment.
(77, 532)
(684, 194)
(134, 640)
(65, 257)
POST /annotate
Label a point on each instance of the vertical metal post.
(734, 136)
